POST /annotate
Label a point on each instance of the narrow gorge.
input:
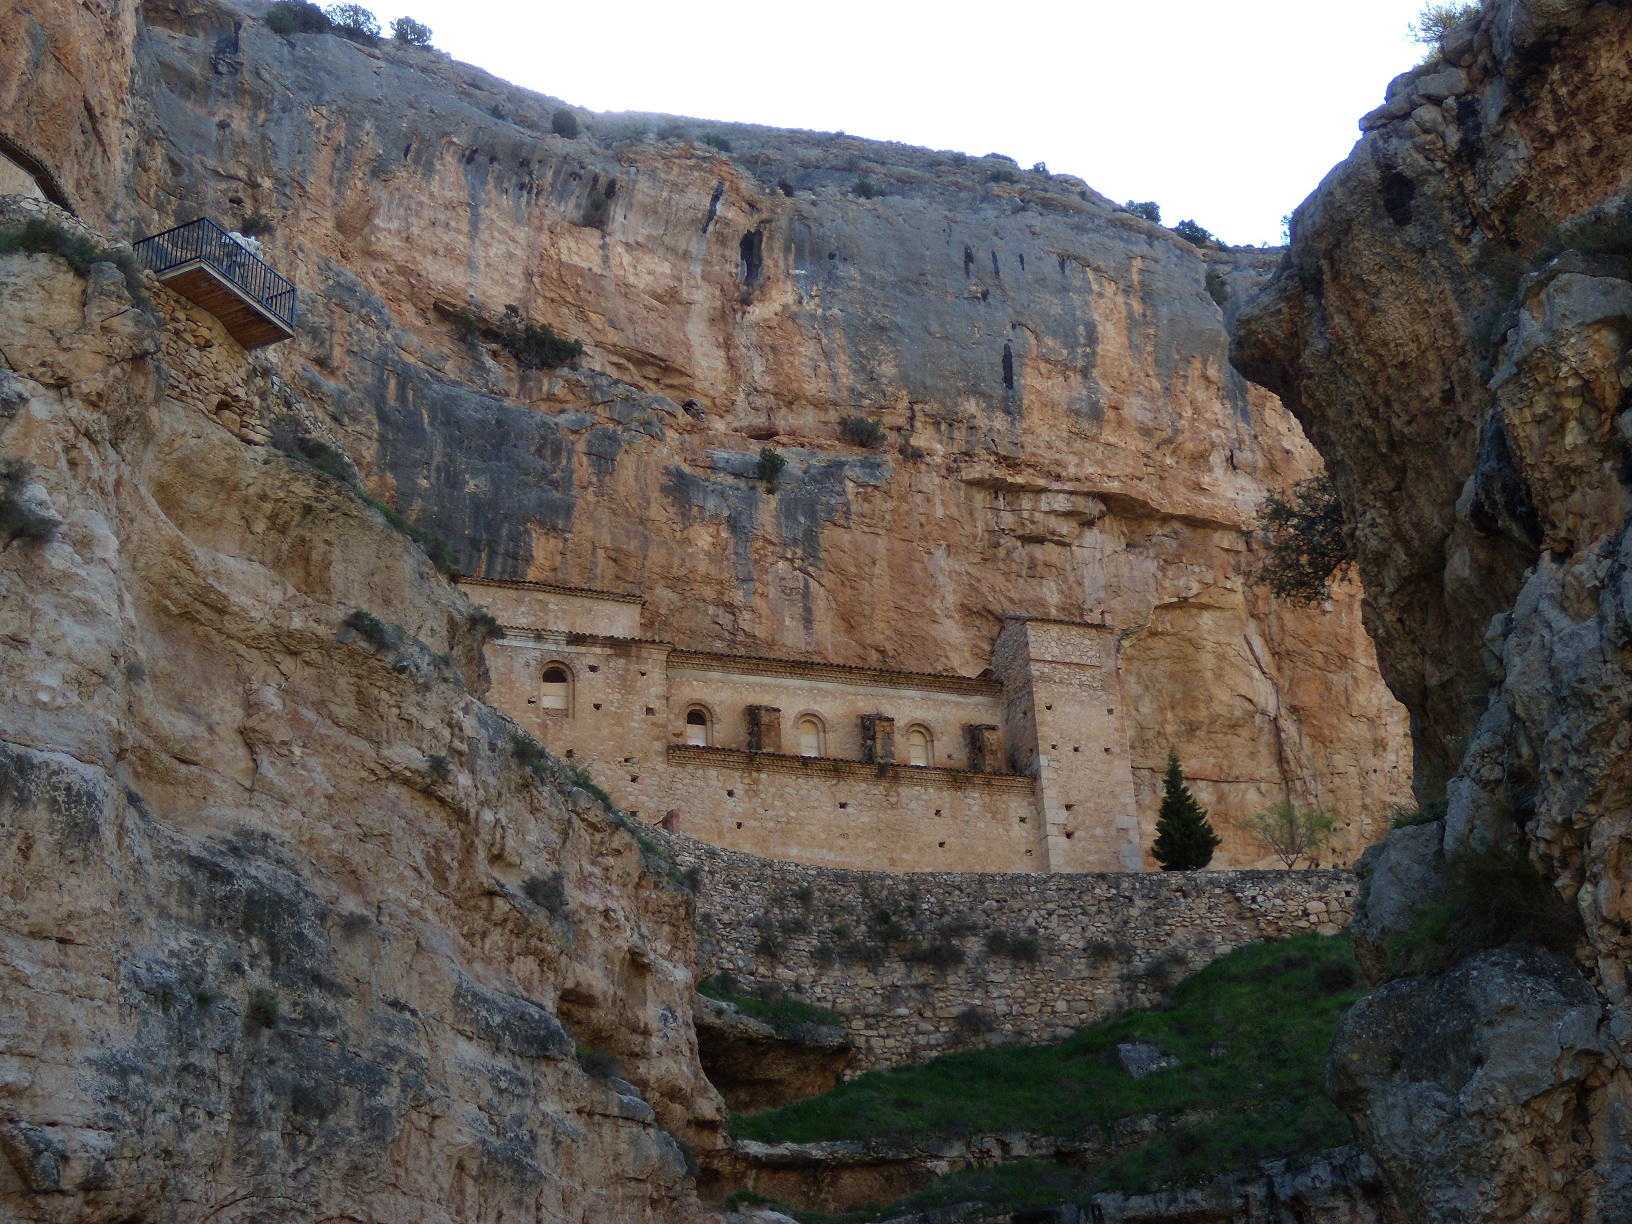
(332, 892)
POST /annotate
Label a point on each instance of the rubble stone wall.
(924, 963)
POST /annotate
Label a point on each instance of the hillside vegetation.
(1250, 1034)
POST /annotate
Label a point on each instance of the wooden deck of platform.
(246, 320)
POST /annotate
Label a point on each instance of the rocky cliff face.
(270, 949)
(1452, 326)
(1063, 434)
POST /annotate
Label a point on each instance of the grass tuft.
(771, 1004)
(42, 236)
(1493, 896)
(371, 629)
(263, 1010)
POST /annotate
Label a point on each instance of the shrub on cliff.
(597, 209)
(716, 140)
(769, 470)
(414, 33)
(353, 21)
(1305, 540)
(1185, 841)
(1192, 233)
(1435, 19)
(296, 17)
(1291, 833)
(536, 346)
(1148, 209)
(862, 431)
(564, 123)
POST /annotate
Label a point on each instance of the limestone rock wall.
(267, 947)
(919, 964)
(1452, 324)
(1063, 433)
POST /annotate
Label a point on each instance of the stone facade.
(919, 964)
(817, 763)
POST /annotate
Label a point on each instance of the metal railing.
(206, 242)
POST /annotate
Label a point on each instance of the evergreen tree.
(1184, 839)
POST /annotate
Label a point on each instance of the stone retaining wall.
(922, 963)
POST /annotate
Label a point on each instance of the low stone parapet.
(922, 963)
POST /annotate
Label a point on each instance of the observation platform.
(226, 276)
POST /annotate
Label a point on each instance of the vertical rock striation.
(1452, 325)
(1062, 433)
(271, 944)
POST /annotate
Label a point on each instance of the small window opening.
(810, 737)
(557, 691)
(919, 751)
(697, 728)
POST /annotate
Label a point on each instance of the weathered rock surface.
(266, 947)
(848, 1175)
(1452, 325)
(1337, 1187)
(1447, 1077)
(756, 1067)
(1064, 434)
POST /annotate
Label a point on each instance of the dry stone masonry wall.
(925, 963)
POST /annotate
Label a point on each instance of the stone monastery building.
(1025, 768)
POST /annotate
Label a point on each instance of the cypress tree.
(1184, 839)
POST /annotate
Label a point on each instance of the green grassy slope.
(1250, 1031)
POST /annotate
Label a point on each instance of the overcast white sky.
(1228, 113)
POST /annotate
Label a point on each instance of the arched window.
(556, 691)
(920, 746)
(697, 727)
(811, 736)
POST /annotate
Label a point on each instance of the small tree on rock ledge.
(1185, 841)
(1292, 833)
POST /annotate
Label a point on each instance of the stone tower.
(1066, 727)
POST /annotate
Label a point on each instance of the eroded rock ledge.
(265, 942)
(1452, 325)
